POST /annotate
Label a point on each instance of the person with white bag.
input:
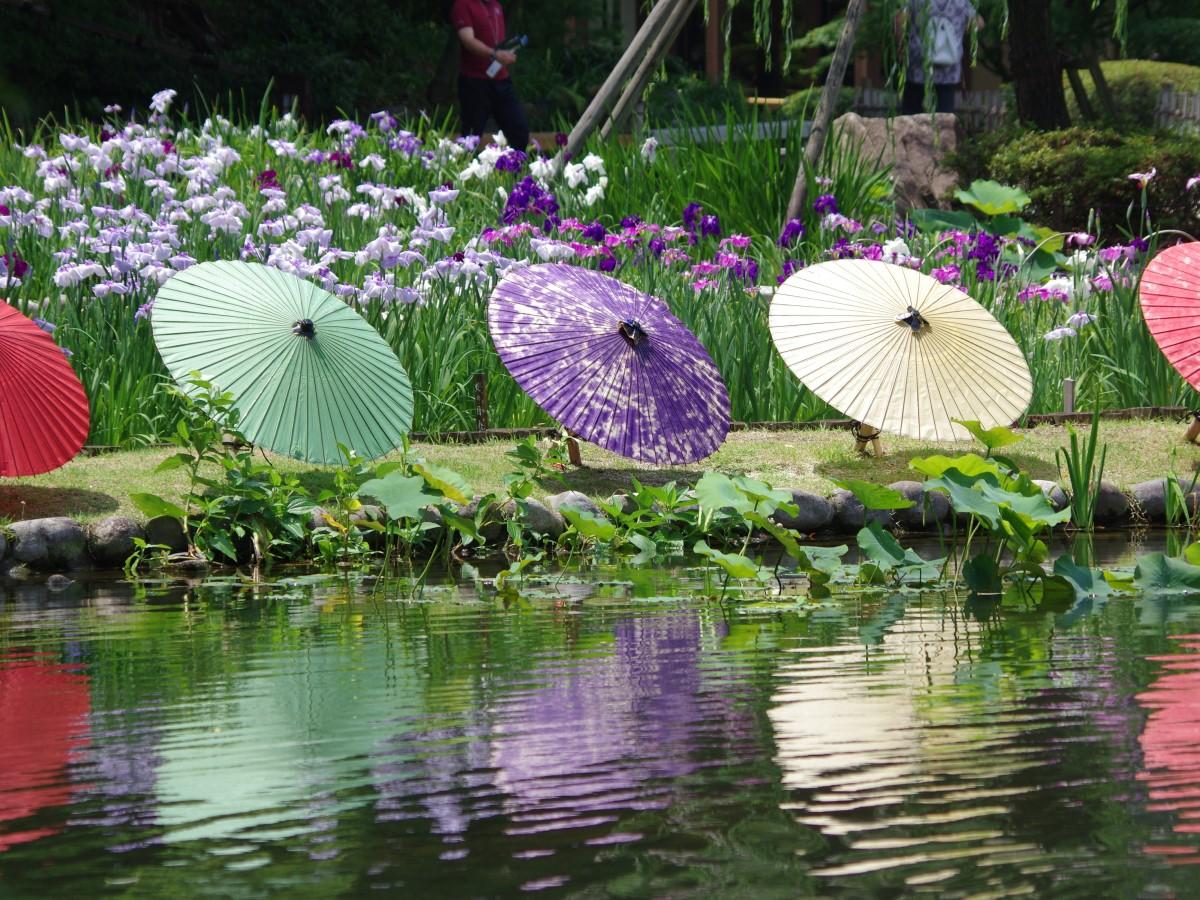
(935, 50)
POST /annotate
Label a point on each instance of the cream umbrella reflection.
(898, 351)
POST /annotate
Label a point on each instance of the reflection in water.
(43, 722)
(1171, 748)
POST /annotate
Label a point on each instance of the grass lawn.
(98, 486)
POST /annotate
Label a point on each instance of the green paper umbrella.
(306, 371)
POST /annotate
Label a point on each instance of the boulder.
(917, 517)
(57, 543)
(1055, 494)
(814, 513)
(914, 147)
(3, 545)
(849, 515)
(166, 530)
(1111, 505)
(537, 518)
(575, 500)
(57, 582)
(110, 541)
(1149, 500)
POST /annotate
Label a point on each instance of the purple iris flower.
(746, 269)
(825, 205)
(792, 232)
(631, 222)
(340, 158)
(14, 265)
(789, 266)
(691, 213)
(512, 161)
(657, 245)
(560, 138)
(710, 226)
(593, 232)
(608, 262)
(267, 178)
(4, 210)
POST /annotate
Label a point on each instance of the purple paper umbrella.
(609, 363)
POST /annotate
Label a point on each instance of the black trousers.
(913, 101)
(479, 98)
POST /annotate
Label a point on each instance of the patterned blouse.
(960, 12)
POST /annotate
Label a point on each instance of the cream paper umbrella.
(897, 350)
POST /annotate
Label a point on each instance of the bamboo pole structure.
(641, 77)
(608, 93)
(826, 106)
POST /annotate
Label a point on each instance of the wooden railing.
(976, 110)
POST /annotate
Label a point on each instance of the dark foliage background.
(330, 56)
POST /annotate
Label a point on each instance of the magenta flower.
(14, 265)
(792, 232)
(1193, 181)
(946, 274)
(1080, 239)
(825, 205)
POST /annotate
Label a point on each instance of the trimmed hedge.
(1068, 173)
(1135, 85)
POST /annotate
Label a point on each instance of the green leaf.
(969, 464)
(874, 496)
(589, 524)
(174, 461)
(219, 540)
(403, 496)
(880, 547)
(964, 498)
(992, 198)
(766, 498)
(1087, 582)
(445, 480)
(1191, 553)
(464, 525)
(152, 506)
(992, 438)
(1156, 573)
(934, 220)
(735, 564)
(715, 491)
(982, 575)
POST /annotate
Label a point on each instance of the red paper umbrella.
(43, 409)
(1170, 294)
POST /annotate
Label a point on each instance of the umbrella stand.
(864, 434)
(1194, 429)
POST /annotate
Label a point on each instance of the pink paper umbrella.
(1170, 294)
(609, 363)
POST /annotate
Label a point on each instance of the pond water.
(611, 734)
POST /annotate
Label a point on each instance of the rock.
(575, 500)
(1055, 494)
(913, 146)
(917, 517)
(433, 516)
(58, 582)
(1150, 500)
(3, 545)
(626, 504)
(110, 541)
(537, 518)
(316, 519)
(57, 543)
(166, 530)
(369, 512)
(1111, 505)
(814, 513)
(849, 515)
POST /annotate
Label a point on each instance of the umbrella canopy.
(307, 372)
(898, 350)
(610, 363)
(43, 409)
(1170, 295)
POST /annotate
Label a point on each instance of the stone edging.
(62, 544)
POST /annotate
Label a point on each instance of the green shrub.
(1173, 39)
(1135, 85)
(805, 102)
(1070, 172)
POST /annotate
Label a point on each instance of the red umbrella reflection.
(1171, 747)
(43, 718)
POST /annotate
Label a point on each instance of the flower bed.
(414, 228)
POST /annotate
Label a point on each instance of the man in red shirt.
(480, 27)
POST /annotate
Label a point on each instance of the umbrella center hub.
(913, 320)
(305, 329)
(633, 333)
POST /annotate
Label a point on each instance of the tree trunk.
(1036, 65)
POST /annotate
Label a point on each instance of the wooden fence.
(1178, 110)
(976, 110)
